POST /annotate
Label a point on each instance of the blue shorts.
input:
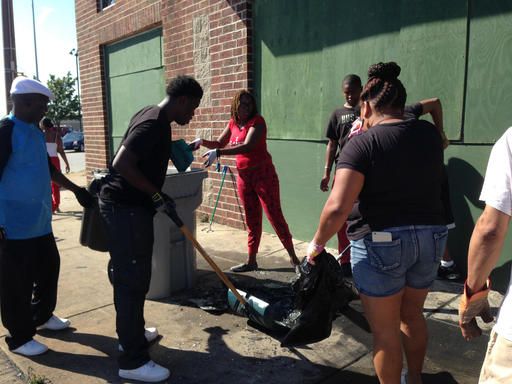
(410, 259)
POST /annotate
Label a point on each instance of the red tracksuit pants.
(259, 188)
(55, 187)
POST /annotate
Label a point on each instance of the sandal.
(245, 267)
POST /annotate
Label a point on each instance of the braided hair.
(235, 103)
(383, 88)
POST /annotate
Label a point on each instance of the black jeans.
(27, 267)
(130, 234)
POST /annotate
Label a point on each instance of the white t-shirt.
(497, 193)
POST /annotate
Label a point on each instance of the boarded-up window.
(135, 79)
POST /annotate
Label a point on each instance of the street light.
(74, 52)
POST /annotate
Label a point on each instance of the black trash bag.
(320, 292)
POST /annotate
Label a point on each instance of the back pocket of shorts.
(440, 239)
(385, 256)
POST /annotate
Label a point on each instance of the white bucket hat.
(21, 85)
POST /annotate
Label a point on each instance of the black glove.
(84, 197)
(3, 236)
(164, 204)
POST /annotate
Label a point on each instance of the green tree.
(66, 104)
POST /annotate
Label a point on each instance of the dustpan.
(181, 155)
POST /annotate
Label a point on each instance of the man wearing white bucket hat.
(29, 259)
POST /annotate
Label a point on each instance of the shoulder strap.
(6, 126)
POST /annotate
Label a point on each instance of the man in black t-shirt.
(128, 200)
(340, 123)
(338, 128)
(337, 132)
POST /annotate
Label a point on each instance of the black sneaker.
(448, 273)
(245, 267)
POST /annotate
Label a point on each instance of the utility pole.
(74, 52)
(9, 53)
(35, 40)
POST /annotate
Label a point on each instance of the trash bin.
(174, 258)
(92, 231)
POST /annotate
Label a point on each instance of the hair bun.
(385, 71)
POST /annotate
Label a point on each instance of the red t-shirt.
(259, 155)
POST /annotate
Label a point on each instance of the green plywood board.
(135, 78)
(302, 58)
(136, 54)
(302, 52)
(432, 56)
(489, 95)
(130, 93)
(466, 170)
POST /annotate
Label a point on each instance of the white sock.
(447, 264)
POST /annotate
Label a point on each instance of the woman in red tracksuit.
(258, 184)
(54, 147)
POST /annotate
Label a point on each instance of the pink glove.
(357, 128)
(313, 251)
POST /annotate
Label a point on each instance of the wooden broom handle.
(215, 267)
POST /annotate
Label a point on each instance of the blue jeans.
(130, 234)
(410, 259)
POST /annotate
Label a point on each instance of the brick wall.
(209, 39)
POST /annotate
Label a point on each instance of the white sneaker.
(150, 334)
(31, 348)
(150, 372)
(55, 324)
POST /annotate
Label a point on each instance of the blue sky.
(55, 33)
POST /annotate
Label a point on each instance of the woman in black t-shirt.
(397, 227)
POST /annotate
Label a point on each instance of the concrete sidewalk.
(201, 347)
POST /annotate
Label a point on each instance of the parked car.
(65, 129)
(74, 140)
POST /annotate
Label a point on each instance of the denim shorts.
(410, 259)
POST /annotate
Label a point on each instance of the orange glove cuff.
(474, 305)
(477, 296)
